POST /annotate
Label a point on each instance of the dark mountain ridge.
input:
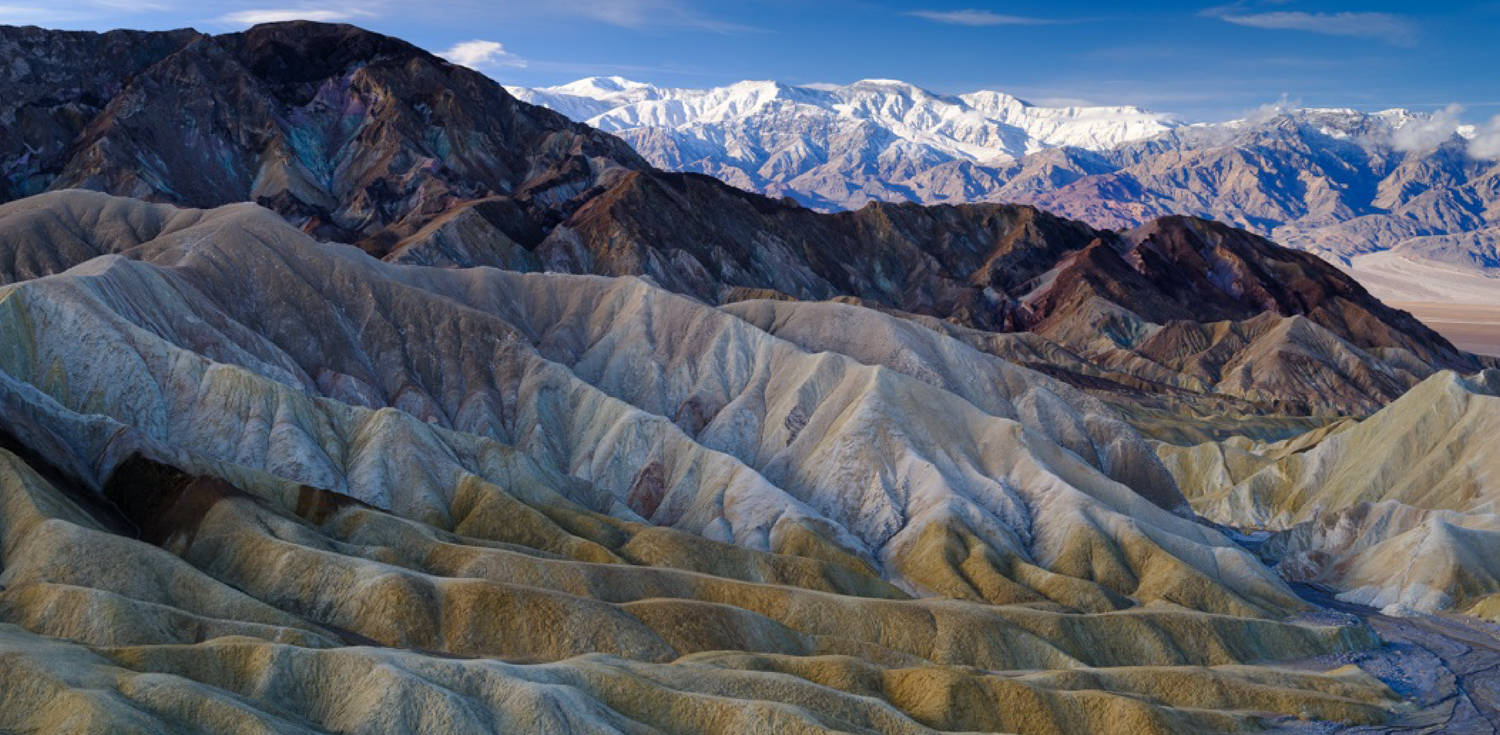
(354, 136)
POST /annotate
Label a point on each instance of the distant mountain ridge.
(833, 146)
(1343, 183)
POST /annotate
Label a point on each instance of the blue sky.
(1203, 60)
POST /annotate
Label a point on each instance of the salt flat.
(1462, 305)
(1396, 277)
(1472, 327)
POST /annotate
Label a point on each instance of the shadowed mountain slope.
(354, 136)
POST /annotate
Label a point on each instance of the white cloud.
(1486, 140)
(1284, 105)
(1423, 135)
(1393, 29)
(481, 54)
(977, 18)
(276, 15)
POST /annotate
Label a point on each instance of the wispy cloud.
(482, 55)
(1284, 105)
(132, 6)
(978, 18)
(1394, 29)
(610, 69)
(648, 14)
(18, 14)
(276, 15)
(76, 12)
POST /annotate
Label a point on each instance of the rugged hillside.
(235, 456)
(1179, 306)
(1333, 181)
(354, 136)
(1397, 511)
(56, 84)
(1427, 449)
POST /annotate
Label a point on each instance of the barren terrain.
(1471, 327)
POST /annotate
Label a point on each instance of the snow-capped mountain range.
(1408, 185)
(833, 146)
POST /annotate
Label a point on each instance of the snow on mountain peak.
(769, 135)
(889, 84)
(599, 86)
(1381, 128)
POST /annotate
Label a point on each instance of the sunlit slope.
(1397, 511)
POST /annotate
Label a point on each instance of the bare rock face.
(1331, 182)
(356, 137)
(237, 461)
(55, 85)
